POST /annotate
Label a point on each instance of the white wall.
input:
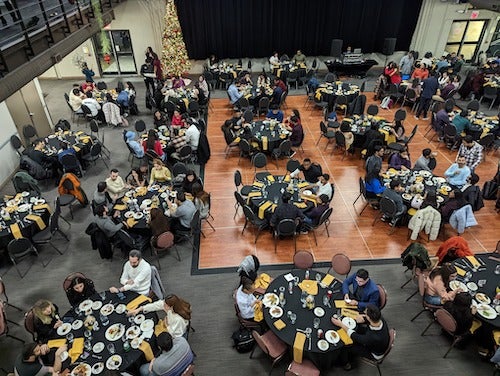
(434, 24)
(8, 155)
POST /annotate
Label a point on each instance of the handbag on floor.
(243, 340)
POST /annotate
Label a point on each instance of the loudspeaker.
(389, 46)
(336, 48)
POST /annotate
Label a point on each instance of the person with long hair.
(178, 313)
(153, 144)
(462, 311)
(159, 223)
(138, 177)
(392, 72)
(159, 119)
(201, 200)
(189, 180)
(46, 319)
(159, 173)
(130, 89)
(79, 290)
(436, 285)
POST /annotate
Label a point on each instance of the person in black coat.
(46, 320)
(79, 290)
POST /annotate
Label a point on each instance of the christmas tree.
(174, 58)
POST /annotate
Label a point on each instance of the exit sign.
(474, 14)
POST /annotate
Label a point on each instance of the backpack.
(243, 340)
(386, 103)
(490, 189)
(62, 125)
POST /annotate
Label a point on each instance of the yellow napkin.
(303, 184)
(42, 206)
(311, 287)
(460, 271)
(258, 184)
(125, 199)
(56, 343)
(146, 349)
(131, 222)
(78, 133)
(236, 140)
(349, 313)
(137, 301)
(496, 336)
(476, 324)
(186, 102)
(263, 281)
(328, 279)
(473, 261)
(11, 209)
(264, 143)
(279, 324)
(300, 205)
(298, 346)
(120, 207)
(270, 178)
(412, 211)
(255, 194)
(16, 231)
(341, 304)
(160, 328)
(309, 198)
(258, 315)
(263, 208)
(76, 350)
(37, 219)
(85, 139)
(287, 178)
(282, 135)
(344, 337)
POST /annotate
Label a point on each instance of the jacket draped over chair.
(427, 219)
(462, 218)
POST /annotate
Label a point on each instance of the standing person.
(429, 88)
(406, 64)
(136, 275)
(157, 67)
(147, 70)
(89, 73)
(472, 151)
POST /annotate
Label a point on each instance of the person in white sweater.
(178, 313)
(136, 275)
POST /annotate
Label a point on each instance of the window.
(465, 37)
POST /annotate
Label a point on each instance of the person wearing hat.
(134, 144)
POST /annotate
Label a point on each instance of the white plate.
(11, 203)
(98, 347)
(407, 196)
(96, 305)
(77, 324)
(440, 199)
(447, 188)
(164, 195)
(323, 345)
(25, 194)
(147, 325)
(97, 368)
(138, 215)
(146, 202)
(133, 332)
(64, 329)
(457, 285)
(129, 214)
(39, 201)
(136, 342)
(120, 308)
(482, 298)
(440, 180)
(85, 305)
(307, 192)
(487, 311)
(139, 319)
(154, 188)
(82, 367)
(270, 300)
(64, 356)
(276, 312)
(349, 322)
(114, 332)
(318, 311)
(332, 336)
(114, 362)
(23, 208)
(107, 309)
(472, 286)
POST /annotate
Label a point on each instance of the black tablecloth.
(322, 359)
(359, 69)
(275, 136)
(333, 90)
(131, 359)
(53, 142)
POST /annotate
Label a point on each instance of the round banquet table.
(270, 192)
(330, 91)
(27, 227)
(262, 131)
(361, 123)
(132, 359)
(79, 140)
(486, 273)
(322, 359)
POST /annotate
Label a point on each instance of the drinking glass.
(88, 345)
(318, 277)
(70, 337)
(325, 300)
(102, 294)
(497, 269)
(303, 296)
(293, 317)
(87, 333)
(316, 322)
(111, 348)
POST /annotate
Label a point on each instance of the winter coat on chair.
(76, 189)
(462, 218)
(427, 219)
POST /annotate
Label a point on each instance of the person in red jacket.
(153, 144)
(392, 71)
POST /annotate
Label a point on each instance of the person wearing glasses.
(364, 290)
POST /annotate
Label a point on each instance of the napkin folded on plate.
(311, 287)
(160, 327)
(460, 271)
(146, 349)
(309, 198)
(287, 178)
(344, 337)
(137, 301)
(282, 135)
(298, 346)
(258, 315)
(473, 261)
(496, 336)
(262, 281)
(131, 222)
(263, 208)
(341, 304)
(349, 313)
(279, 324)
(78, 133)
(56, 343)
(16, 231)
(76, 350)
(328, 279)
(412, 211)
(77, 149)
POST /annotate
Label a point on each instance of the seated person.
(426, 162)
(101, 195)
(455, 202)
(107, 224)
(436, 285)
(136, 275)
(134, 144)
(249, 267)
(299, 57)
(159, 173)
(175, 357)
(394, 193)
(245, 299)
(46, 320)
(177, 120)
(159, 119)
(201, 200)
(295, 127)
(79, 290)
(462, 310)
(234, 92)
(192, 134)
(75, 99)
(94, 107)
(152, 143)
(122, 98)
(313, 215)
(275, 113)
(178, 82)
(400, 161)
(374, 188)
(322, 187)
(182, 215)
(189, 180)
(29, 362)
(364, 290)
(345, 128)
(311, 171)
(286, 210)
(458, 172)
(138, 177)
(115, 185)
(398, 130)
(48, 162)
(371, 340)
(158, 223)
(461, 122)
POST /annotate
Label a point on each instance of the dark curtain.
(256, 28)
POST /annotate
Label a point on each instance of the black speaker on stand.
(388, 48)
(336, 48)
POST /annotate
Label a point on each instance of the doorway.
(121, 58)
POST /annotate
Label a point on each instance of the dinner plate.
(270, 300)
(139, 319)
(97, 368)
(276, 312)
(64, 356)
(349, 322)
(482, 298)
(11, 203)
(129, 214)
(51, 136)
(457, 285)
(146, 202)
(114, 332)
(319, 312)
(407, 196)
(83, 369)
(154, 188)
(307, 192)
(77, 324)
(85, 305)
(98, 347)
(25, 194)
(440, 180)
(114, 362)
(136, 342)
(23, 208)
(147, 325)
(39, 201)
(472, 286)
(96, 305)
(487, 311)
(440, 199)
(64, 329)
(390, 174)
(133, 332)
(107, 309)
(164, 195)
(429, 183)
(129, 194)
(138, 215)
(447, 188)
(323, 345)
(332, 336)
(120, 308)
